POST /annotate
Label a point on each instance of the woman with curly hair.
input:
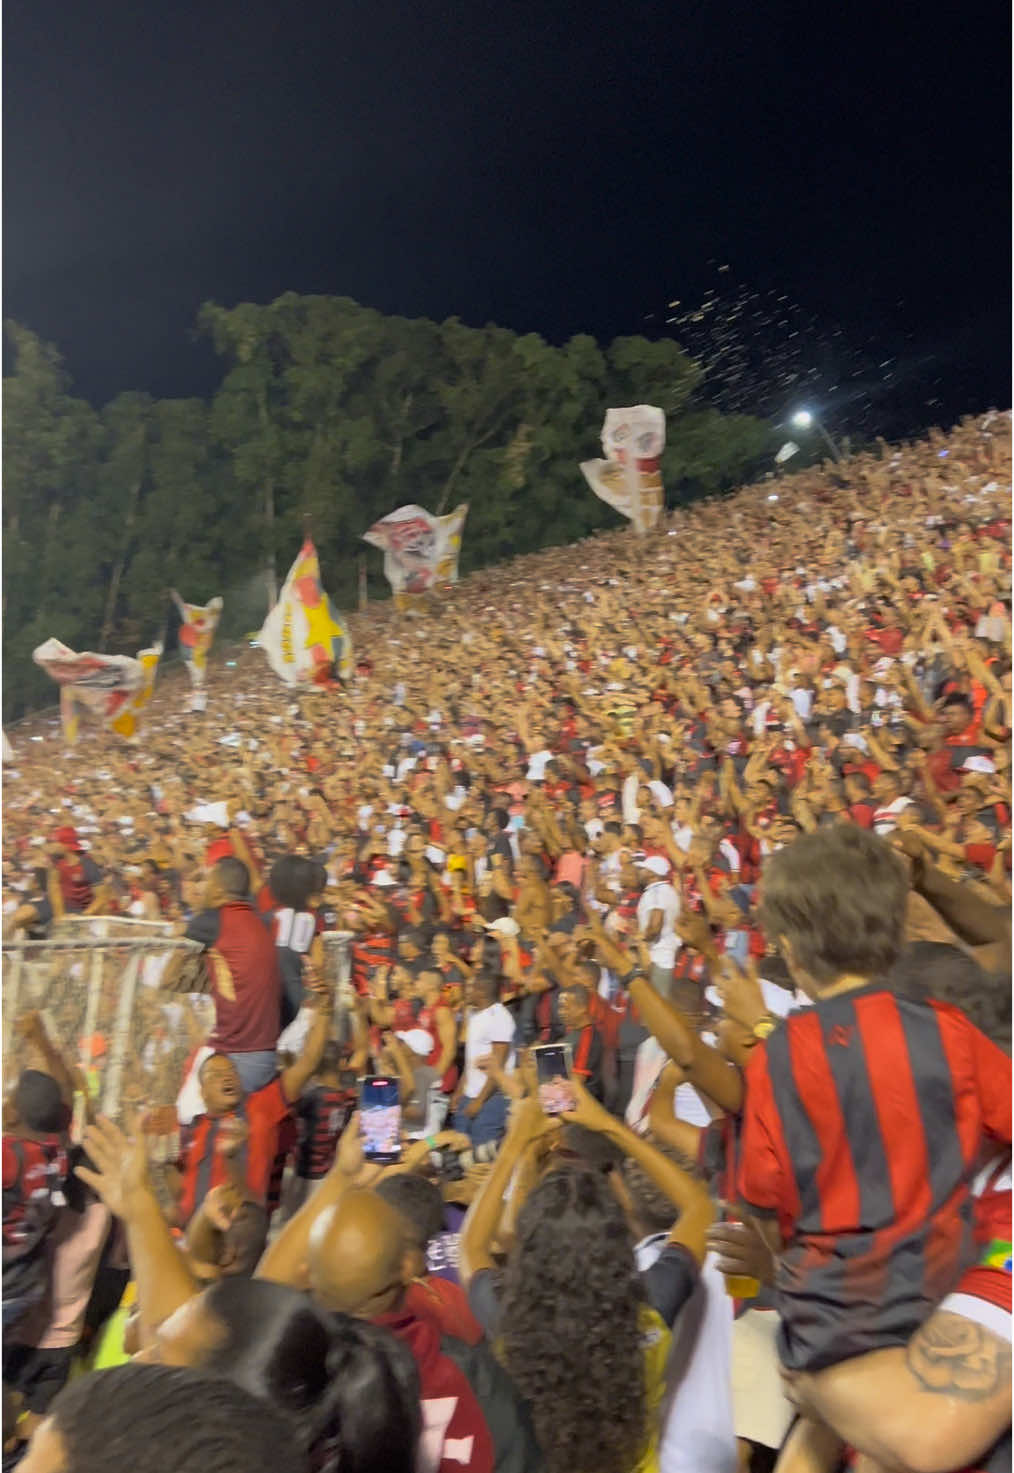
(584, 1335)
(574, 1326)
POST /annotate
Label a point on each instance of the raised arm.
(688, 1195)
(119, 1175)
(705, 1068)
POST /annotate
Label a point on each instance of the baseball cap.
(505, 926)
(655, 865)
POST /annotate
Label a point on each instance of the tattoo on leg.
(956, 1357)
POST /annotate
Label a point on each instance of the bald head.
(357, 1260)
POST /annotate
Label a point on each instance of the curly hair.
(571, 1340)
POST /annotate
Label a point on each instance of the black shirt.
(666, 1287)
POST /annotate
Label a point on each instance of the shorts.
(760, 1410)
(255, 1069)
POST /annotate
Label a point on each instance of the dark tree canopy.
(326, 408)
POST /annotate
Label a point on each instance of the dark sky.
(555, 168)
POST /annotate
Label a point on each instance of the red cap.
(69, 839)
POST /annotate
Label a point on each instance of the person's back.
(864, 1115)
(35, 1165)
(244, 969)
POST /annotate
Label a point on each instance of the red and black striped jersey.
(863, 1122)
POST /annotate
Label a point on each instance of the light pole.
(804, 419)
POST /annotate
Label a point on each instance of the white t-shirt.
(537, 764)
(661, 896)
(697, 1430)
(493, 1025)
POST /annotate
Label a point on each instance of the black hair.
(292, 880)
(489, 979)
(331, 1058)
(173, 1419)
(501, 817)
(418, 1201)
(39, 1103)
(590, 1147)
(351, 1389)
(934, 969)
(654, 1209)
(233, 876)
(571, 1336)
(578, 993)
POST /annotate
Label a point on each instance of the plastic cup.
(740, 1286)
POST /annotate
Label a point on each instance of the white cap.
(505, 926)
(655, 865)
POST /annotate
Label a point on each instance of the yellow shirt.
(656, 1342)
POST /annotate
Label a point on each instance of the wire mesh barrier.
(98, 983)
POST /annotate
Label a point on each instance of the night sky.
(553, 168)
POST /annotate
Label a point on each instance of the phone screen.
(380, 1118)
(552, 1068)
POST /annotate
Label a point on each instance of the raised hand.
(120, 1175)
(740, 991)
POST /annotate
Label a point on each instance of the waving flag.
(198, 631)
(302, 637)
(114, 687)
(420, 551)
(629, 479)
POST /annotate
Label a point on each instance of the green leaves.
(329, 408)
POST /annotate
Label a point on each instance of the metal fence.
(96, 982)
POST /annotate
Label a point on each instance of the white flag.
(629, 479)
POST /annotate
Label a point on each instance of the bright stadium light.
(805, 419)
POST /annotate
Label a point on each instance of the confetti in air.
(764, 354)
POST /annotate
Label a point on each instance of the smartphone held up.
(553, 1072)
(380, 1119)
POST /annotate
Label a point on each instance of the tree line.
(326, 408)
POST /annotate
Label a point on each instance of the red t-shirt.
(33, 1171)
(448, 1304)
(247, 984)
(452, 1416)
(204, 1167)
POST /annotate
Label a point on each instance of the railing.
(96, 982)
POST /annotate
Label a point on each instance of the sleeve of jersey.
(993, 1077)
(984, 1293)
(204, 927)
(760, 1179)
(670, 1281)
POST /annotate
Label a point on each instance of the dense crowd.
(724, 813)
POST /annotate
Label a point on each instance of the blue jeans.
(255, 1070)
(489, 1125)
